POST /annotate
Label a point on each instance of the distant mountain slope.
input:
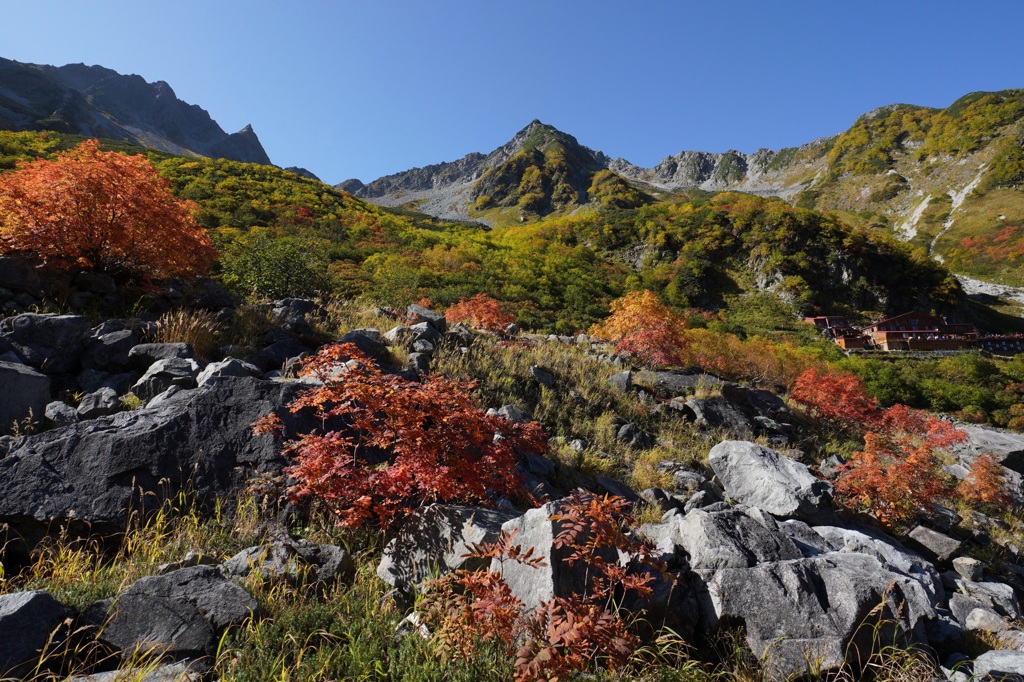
(96, 101)
(949, 180)
(539, 171)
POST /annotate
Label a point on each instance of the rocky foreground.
(751, 540)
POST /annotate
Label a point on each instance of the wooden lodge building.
(914, 331)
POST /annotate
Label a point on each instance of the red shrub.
(405, 444)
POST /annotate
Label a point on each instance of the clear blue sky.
(362, 89)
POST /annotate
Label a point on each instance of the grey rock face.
(163, 374)
(1006, 447)
(369, 341)
(762, 478)
(99, 404)
(26, 621)
(419, 363)
(808, 613)
(418, 313)
(110, 352)
(181, 613)
(174, 672)
(25, 391)
(722, 413)
(936, 545)
(972, 569)
(999, 666)
(514, 414)
(230, 367)
(532, 585)
(145, 354)
(50, 343)
(670, 384)
(61, 414)
(96, 471)
(296, 561)
(431, 542)
(732, 538)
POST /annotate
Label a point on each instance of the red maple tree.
(399, 444)
(480, 311)
(104, 211)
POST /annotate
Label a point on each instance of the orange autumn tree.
(391, 445)
(641, 326)
(480, 311)
(898, 473)
(103, 211)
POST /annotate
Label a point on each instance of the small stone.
(972, 569)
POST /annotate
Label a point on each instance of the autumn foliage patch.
(397, 444)
(563, 635)
(641, 326)
(898, 472)
(104, 211)
(480, 311)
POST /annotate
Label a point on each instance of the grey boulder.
(100, 471)
(760, 477)
(180, 614)
(296, 561)
(51, 343)
(432, 541)
(163, 374)
(25, 392)
(99, 403)
(26, 621)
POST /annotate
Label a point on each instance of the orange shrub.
(643, 327)
(480, 311)
(101, 211)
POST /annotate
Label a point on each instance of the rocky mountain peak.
(96, 101)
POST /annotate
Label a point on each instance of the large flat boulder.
(818, 613)
(27, 620)
(760, 477)
(25, 392)
(737, 537)
(99, 472)
(179, 615)
(51, 343)
(1007, 448)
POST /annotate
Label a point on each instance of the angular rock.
(542, 376)
(999, 597)
(419, 363)
(369, 341)
(423, 331)
(26, 621)
(110, 352)
(1006, 447)
(296, 561)
(423, 346)
(633, 436)
(759, 477)
(145, 354)
(51, 343)
(61, 414)
(514, 414)
(972, 569)
(814, 613)
(734, 538)
(100, 403)
(25, 392)
(277, 354)
(670, 384)
(459, 335)
(229, 367)
(418, 313)
(532, 585)
(432, 541)
(100, 471)
(999, 666)
(397, 334)
(181, 614)
(934, 544)
(623, 381)
(163, 374)
(720, 413)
